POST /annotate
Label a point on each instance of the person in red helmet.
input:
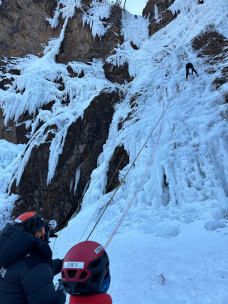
(85, 274)
(26, 265)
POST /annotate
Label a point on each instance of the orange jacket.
(96, 299)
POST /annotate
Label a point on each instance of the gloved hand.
(49, 233)
(61, 287)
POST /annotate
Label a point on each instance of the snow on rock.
(135, 29)
(66, 8)
(94, 16)
(183, 7)
(9, 152)
(156, 15)
(9, 157)
(77, 176)
(37, 81)
(213, 225)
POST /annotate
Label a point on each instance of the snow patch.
(156, 15)
(167, 232)
(213, 225)
(218, 213)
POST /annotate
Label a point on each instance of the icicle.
(77, 177)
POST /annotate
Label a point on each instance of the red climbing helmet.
(85, 268)
(31, 221)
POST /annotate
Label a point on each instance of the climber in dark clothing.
(26, 265)
(188, 67)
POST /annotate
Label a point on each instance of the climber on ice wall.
(85, 274)
(189, 66)
(26, 265)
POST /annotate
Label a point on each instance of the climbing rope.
(144, 175)
(133, 163)
(87, 193)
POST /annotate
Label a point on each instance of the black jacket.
(27, 269)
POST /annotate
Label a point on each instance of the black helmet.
(31, 221)
(86, 269)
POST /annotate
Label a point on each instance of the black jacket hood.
(15, 243)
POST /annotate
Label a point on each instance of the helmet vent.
(83, 275)
(37, 224)
(96, 278)
(95, 264)
(71, 274)
(63, 274)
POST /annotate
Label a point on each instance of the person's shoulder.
(34, 258)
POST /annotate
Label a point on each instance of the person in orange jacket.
(85, 274)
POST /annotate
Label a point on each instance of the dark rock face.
(226, 98)
(79, 43)
(8, 133)
(166, 16)
(119, 160)
(211, 44)
(15, 134)
(22, 31)
(5, 82)
(213, 47)
(83, 144)
(219, 81)
(23, 26)
(117, 74)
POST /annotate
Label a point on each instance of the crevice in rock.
(117, 74)
(165, 192)
(73, 74)
(119, 160)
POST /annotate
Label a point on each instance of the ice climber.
(189, 66)
(85, 274)
(26, 265)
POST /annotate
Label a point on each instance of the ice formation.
(177, 224)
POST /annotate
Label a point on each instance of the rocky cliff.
(159, 14)
(25, 29)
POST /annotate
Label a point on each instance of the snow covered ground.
(172, 245)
